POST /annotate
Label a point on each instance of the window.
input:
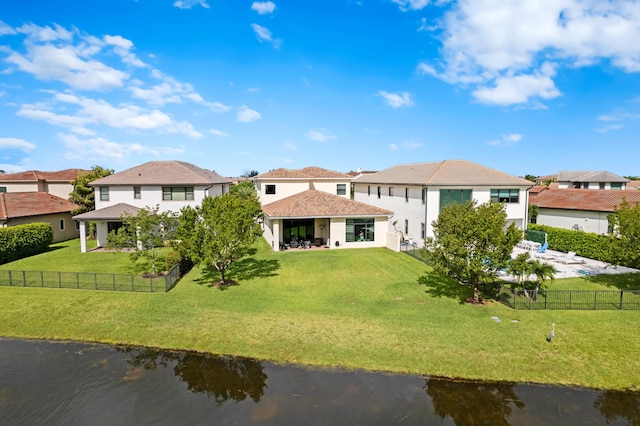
(379, 192)
(406, 195)
(341, 189)
(424, 195)
(505, 195)
(62, 224)
(601, 185)
(451, 196)
(360, 229)
(104, 193)
(136, 192)
(423, 231)
(585, 185)
(270, 189)
(3, 189)
(406, 226)
(369, 190)
(391, 191)
(177, 193)
(576, 185)
(616, 185)
(77, 225)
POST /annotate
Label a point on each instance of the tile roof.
(25, 204)
(633, 184)
(584, 199)
(443, 173)
(306, 173)
(589, 176)
(66, 175)
(113, 212)
(162, 173)
(313, 203)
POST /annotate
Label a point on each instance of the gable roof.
(66, 175)
(443, 173)
(305, 173)
(583, 199)
(589, 176)
(162, 173)
(313, 203)
(113, 212)
(25, 204)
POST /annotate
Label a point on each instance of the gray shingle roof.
(162, 173)
(443, 173)
(109, 213)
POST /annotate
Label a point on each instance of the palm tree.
(542, 271)
(520, 267)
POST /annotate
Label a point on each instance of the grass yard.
(361, 309)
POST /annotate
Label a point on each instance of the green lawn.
(350, 308)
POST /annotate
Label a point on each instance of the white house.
(591, 180)
(417, 192)
(171, 185)
(313, 204)
(57, 183)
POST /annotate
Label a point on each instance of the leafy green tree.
(83, 195)
(249, 173)
(471, 242)
(245, 189)
(533, 212)
(530, 178)
(520, 267)
(543, 271)
(625, 223)
(144, 232)
(219, 232)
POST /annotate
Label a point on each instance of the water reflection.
(220, 377)
(619, 406)
(473, 403)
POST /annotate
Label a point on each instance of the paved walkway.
(586, 267)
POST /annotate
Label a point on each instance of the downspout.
(426, 224)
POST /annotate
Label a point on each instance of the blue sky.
(523, 86)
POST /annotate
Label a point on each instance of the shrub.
(21, 241)
(586, 244)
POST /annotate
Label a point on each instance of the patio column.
(83, 236)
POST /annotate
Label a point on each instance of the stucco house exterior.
(21, 208)
(313, 204)
(417, 192)
(171, 185)
(56, 183)
(601, 180)
(578, 209)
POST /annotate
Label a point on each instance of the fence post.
(132, 283)
(570, 294)
(10, 279)
(24, 279)
(595, 300)
(113, 279)
(77, 280)
(95, 280)
(621, 294)
(41, 279)
(514, 299)
(59, 281)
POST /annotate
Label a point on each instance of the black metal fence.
(570, 299)
(91, 281)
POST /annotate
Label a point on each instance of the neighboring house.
(313, 204)
(56, 183)
(171, 185)
(591, 180)
(21, 208)
(578, 209)
(416, 193)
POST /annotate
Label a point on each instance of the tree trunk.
(153, 261)
(476, 291)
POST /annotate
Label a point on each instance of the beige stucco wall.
(287, 188)
(70, 232)
(587, 221)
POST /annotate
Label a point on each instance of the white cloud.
(290, 145)
(505, 49)
(616, 119)
(396, 100)
(320, 135)
(218, 132)
(36, 33)
(14, 143)
(393, 147)
(263, 7)
(188, 4)
(406, 5)
(264, 34)
(247, 115)
(6, 29)
(122, 48)
(609, 128)
(104, 148)
(509, 139)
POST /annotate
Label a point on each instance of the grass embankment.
(349, 308)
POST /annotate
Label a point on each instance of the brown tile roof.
(537, 189)
(443, 173)
(162, 173)
(66, 175)
(584, 199)
(306, 173)
(24, 204)
(113, 212)
(313, 203)
(633, 184)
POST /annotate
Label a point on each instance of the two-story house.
(171, 185)
(313, 204)
(416, 193)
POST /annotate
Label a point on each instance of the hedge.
(21, 241)
(585, 244)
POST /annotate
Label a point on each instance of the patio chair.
(570, 259)
(543, 248)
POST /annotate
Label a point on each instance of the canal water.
(56, 383)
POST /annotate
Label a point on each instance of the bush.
(17, 242)
(173, 259)
(586, 244)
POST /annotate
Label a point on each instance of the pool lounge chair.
(570, 258)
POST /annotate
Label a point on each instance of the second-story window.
(104, 193)
(391, 191)
(341, 189)
(270, 189)
(406, 195)
(136, 192)
(177, 193)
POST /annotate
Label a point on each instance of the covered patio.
(107, 219)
